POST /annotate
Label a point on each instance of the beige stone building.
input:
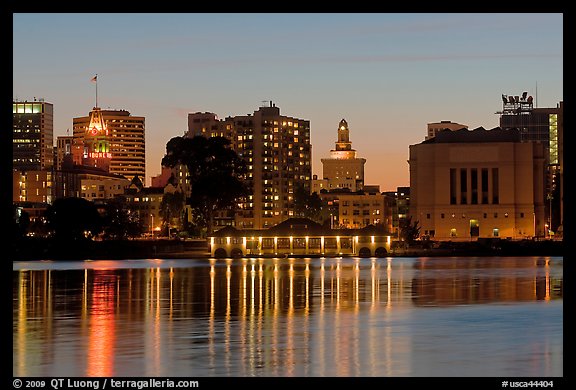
(481, 183)
(360, 210)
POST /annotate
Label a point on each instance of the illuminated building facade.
(277, 152)
(342, 169)
(32, 186)
(480, 183)
(32, 135)
(88, 182)
(112, 140)
(299, 236)
(360, 210)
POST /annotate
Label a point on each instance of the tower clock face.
(94, 131)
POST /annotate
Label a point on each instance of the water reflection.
(454, 281)
(280, 317)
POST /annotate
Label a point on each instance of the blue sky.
(387, 74)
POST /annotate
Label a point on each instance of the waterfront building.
(32, 135)
(299, 237)
(481, 183)
(112, 140)
(436, 127)
(277, 152)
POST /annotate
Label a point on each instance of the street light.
(550, 197)
(152, 225)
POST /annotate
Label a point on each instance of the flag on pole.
(94, 79)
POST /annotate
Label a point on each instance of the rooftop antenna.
(536, 95)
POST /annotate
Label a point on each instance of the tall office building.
(542, 125)
(32, 135)
(112, 140)
(63, 149)
(343, 169)
(277, 151)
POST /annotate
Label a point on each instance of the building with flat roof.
(277, 152)
(481, 183)
(32, 135)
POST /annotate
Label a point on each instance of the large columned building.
(481, 183)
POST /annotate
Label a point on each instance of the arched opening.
(364, 252)
(380, 252)
(236, 253)
(220, 253)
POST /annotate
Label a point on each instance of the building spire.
(343, 142)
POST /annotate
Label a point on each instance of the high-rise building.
(343, 170)
(112, 140)
(542, 125)
(277, 152)
(32, 135)
(63, 148)
(480, 183)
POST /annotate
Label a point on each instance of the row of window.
(484, 215)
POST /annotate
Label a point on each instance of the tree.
(307, 205)
(409, 232)
(74, 219)
(171, 207)
(119, 221)
(215, 172)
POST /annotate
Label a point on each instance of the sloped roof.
(297, 226)
(227, 231)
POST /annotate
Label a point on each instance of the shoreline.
(42, 250)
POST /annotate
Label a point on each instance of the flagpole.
(96, 89)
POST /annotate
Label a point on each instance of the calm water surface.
(456, 317)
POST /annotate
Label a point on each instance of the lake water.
(388, 317)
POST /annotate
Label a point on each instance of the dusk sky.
(388, 75)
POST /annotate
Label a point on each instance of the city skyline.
(387, 75)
